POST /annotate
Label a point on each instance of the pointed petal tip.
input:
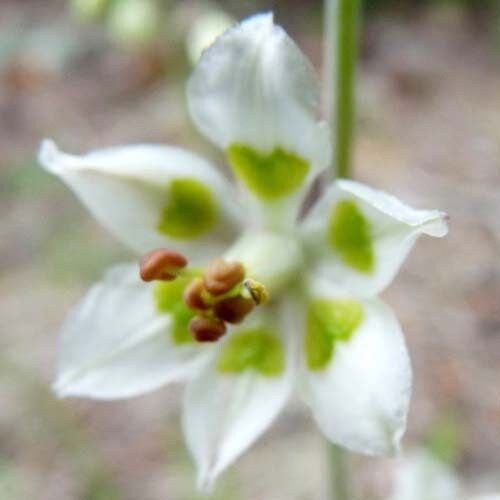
(48, 154)
(255, 22)
(264, 18)
(396, 448)
(437, 227)
(59, 388)
(391, 446)
(257, 53)
(63, 387)
(205, 482)
(446, 218)
(52, 159)
(431, 222)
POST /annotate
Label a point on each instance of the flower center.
(219, 295)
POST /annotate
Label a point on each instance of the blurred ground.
(429, 132)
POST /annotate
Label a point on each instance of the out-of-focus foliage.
(129, 22)
(157, 23)
(445, 439)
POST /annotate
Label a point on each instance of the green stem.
(342, 18)
(339, 471)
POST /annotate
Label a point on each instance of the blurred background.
(93, 73)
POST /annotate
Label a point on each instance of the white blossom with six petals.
(254, 94)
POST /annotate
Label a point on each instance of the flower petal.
(255, 95)
(357, 374)
(236, 397)
(150, 196)
(361, 236)
(115, 344)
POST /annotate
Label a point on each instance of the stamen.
(220, 296)
(234, 309)
(161, 264)
(257, 291)
(207, 329)
(221, 276)
(193, 295)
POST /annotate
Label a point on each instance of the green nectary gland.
(329, 322)
(349, 234)
(168, 300)
(190, 210)
(181, 316)
(269, 176)
(258, 349)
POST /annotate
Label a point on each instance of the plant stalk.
(342, 20)
(339, 472)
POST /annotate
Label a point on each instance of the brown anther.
(234, 309)
(207, 329)
(220, 276)
(161, 264)
(193, 295)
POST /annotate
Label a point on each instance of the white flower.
(323, 329)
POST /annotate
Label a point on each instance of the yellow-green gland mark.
(269, 176)
(349, 234)
(329, 322)
(169, 300)
(190, 210)
(256, 349)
